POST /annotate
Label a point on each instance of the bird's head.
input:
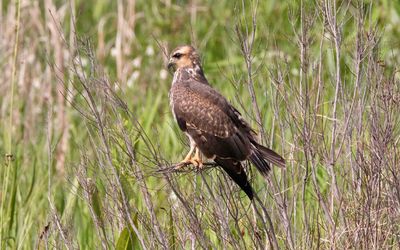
(184, 56)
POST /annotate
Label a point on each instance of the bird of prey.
(214, 127)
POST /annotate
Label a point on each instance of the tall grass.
(93, 139)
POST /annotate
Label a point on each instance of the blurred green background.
(47, 136)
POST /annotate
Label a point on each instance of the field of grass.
(87, 136)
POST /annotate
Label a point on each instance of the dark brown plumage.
(214, 127)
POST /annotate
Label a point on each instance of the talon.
(197, 161)
(184, 163)
(188, 158)
(180, 165)
(194, 163)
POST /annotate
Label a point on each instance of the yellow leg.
(188, 157)
(197, 161)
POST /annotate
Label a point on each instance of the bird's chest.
(171, 102)
(181, 103)
(176, 93)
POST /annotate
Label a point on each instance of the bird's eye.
(177, 55)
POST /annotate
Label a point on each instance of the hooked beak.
(171, 65)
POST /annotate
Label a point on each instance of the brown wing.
(215, 98)
(207, 117)
(260, 153)
(217, 127)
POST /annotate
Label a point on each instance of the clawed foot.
(195, 161)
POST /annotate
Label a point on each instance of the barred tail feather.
(270, 155)
(262, 156)
(236, 172)
(257, 159)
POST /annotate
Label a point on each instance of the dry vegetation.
(88, 139)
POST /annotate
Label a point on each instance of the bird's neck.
(187, 73)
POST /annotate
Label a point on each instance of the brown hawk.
(214, 127)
